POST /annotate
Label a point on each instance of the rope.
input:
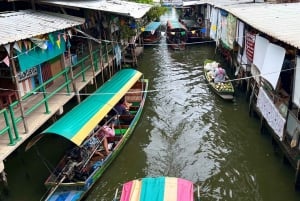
(158, 90)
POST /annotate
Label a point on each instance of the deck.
(131, 58)
(42, 114)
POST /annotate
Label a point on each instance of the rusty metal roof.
(19, 25)
(125, 8)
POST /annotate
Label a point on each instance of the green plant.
(155, 12)
(126, 31)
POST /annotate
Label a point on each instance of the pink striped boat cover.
(158, 189)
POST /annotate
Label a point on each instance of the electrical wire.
(86, 36)
(158, 90)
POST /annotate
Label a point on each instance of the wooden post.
(100, 50)
(90, 46)
(92, 61)
(18, 89)
(262, 124)
(251, 99)
(297, 176)
(32, 4)
(72, 76)
(285, 160)
(248, 86)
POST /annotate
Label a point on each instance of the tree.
(155, 12)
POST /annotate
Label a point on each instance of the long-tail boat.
(194, 33)
(158, 189)
(80, 167)
(152, 33)
(176, 35)
(223, 89)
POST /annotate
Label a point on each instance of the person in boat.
(219, 75)
(211, 68)
(104, 132)
(122, 108)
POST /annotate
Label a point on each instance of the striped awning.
(158, 189)
(77, 124)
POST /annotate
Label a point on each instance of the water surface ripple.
(187, 131)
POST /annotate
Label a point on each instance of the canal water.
(185, 131)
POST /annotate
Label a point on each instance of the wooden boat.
(224, 89)
(152, 33)
(176, 35)
(158, 189)
(79, 169)
(194, 30)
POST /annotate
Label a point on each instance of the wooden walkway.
(39, 117)
(132, 58)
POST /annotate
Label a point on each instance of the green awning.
(77, 124)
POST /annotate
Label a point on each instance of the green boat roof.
(175, 24)
(191, 24)
(77, 124)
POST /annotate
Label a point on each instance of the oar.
(57, 185)
(198, 193)
(116, 195)
(69, 167)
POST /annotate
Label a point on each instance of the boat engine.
(69, 169)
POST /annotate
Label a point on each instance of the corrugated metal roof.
(215, 2)
(83, 118)
(24, 24)
(281, 21)
(125, 8)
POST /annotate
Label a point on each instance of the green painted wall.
(56, 45)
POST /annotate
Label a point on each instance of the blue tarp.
(152, 26)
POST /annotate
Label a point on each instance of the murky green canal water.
(185, 131)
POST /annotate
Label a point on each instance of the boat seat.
(134, 95)
(133, 109)
(120, 129)
(126, 119)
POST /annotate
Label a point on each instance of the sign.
(250, 42)
(27, 74)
